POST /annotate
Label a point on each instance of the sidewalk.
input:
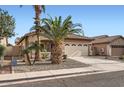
(43, 74)
(97, 66)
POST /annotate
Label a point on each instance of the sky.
(96, 20)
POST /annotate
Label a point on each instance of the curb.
(47, 76)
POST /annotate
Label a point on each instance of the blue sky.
(96, 20)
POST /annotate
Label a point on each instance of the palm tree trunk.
(27, 59)
(35, 57)
(6, 41)
(56, 54)
(38, 42)
(37, 23)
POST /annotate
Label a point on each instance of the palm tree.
(56, 30)
(38, 10)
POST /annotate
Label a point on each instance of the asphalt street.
(113, 79)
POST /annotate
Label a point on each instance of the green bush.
(44, 55)
(121, 57)
(2, 49)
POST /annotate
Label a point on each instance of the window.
(66, 44)
(80, 45)
(73, 45)
(42, 46)
(117, 46)
(85, 44)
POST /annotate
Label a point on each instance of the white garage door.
(76, 50)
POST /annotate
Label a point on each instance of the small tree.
(33, 46)
(2, 49)
(26, 52)
(36, 47)
(7, 25)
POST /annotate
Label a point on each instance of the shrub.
(121, 57)
(2, 49)
(44, 55)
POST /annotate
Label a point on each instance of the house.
(107, 46)
(75, 45)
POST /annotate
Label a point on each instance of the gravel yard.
(42, 66)
(5, 68)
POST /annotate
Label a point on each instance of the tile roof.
(101, 36)
(74, 36)
(106, 39)
(71, 36)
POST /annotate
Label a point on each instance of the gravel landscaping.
(5, 67)
(42, 66)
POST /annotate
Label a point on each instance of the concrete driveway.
(101, 64)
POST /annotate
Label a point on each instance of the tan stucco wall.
(99, 47)
(77, 41)
(119, 41)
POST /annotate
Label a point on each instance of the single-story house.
(107, 46)
(74, 45)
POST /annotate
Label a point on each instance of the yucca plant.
(57, 30)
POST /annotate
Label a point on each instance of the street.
(113, 79)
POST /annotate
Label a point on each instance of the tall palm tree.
(56, 30)
(38, 9)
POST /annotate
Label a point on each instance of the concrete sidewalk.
(97, 66)
(49, 73)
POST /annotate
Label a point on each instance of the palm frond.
(56, 29)
(43, 8)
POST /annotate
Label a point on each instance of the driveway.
(101, 64)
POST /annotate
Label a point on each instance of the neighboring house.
(3, 41)
(13, 51)
(75, 45)
(107, 46)
(100, 36)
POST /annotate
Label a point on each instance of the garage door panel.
(117, 51)
(76, 51)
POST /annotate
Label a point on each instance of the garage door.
(117, 50)
(76, 50)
